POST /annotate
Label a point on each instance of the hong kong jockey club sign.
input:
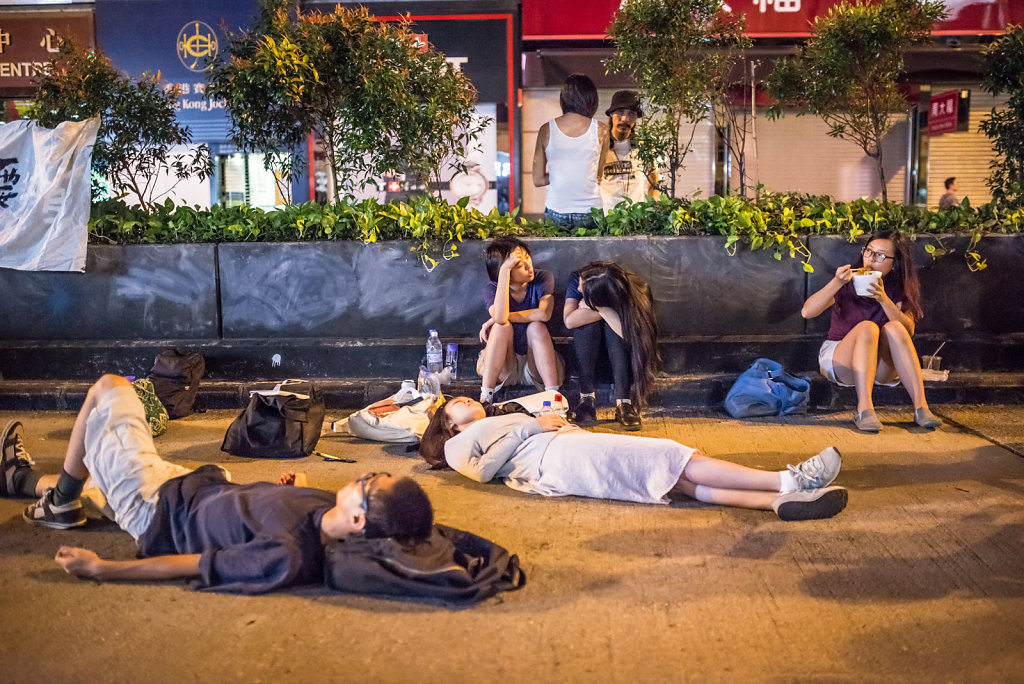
(589, 19)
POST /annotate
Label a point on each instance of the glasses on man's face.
(876, 257)
(364, 487)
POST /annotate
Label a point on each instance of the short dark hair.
(579, 95)
(498, 250)
(402, 512)
(950, 181)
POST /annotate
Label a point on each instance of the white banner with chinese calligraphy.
(44, 194)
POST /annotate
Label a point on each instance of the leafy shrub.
(778, 223)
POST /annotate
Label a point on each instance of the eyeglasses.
(877, 257)
(364, 487)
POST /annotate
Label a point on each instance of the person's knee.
(537, 331)
(867, 331)
(896, 332)
(108, 382)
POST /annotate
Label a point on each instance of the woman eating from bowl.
(870, 338)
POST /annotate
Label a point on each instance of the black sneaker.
(811, 504)
(13, 455)
(628, 416)
(585, 414)
(48, 514)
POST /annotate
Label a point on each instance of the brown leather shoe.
(628, 417)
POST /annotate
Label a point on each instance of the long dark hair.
(605, 283)
(439, 431)
(904, 271)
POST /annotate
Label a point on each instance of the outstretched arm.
(85, 563)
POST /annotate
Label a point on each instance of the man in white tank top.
(568, 155)
(622, 174)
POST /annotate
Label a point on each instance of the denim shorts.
(581, 220)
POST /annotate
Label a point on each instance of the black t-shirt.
(253, 538)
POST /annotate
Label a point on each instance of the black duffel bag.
(175, 376)
(284, 422)
(451, 565)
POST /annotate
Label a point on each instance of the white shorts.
(825, 365)
(521, 369)
(122, 460)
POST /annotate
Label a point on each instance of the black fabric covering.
(451, 565)
(278, 426)
(175, 376)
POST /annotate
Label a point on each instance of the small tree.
(733, 119)
(678, 52)
(378, 100)
(1003, 62)
(847, 71)
(138, 126)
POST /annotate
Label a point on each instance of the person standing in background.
(949, 199)
(568, 155)
(622, 172)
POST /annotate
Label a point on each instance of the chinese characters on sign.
(9, 178)
(778, 5)
(28, 44)
(942, 113)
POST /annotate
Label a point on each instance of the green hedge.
(776, 223)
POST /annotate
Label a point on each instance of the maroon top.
(850, 308)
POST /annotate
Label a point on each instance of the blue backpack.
(765, 389)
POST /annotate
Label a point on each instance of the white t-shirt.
(622, 176)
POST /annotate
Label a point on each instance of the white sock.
(486, 395)
(622, 401)
(551, 388)
(788, 482)
(588, 395)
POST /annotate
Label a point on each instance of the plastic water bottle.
(451, 358)
(427, 383)
(546, 409)
(559, 406)
(435, 353)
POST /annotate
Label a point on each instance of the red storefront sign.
(28, 43)
(590, 19)
(942, 113)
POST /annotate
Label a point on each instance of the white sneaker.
(814, 504)
(818, 471)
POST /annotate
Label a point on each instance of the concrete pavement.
(920, 579)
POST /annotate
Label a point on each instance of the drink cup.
(862, 281)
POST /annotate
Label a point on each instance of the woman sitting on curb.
(605, 302)
(548, 456)
(870, 337)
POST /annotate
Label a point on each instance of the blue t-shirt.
(543, 284)
(572, 287)
(253, 538)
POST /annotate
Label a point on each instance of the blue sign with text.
(178, 40)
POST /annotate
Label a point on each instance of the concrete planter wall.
(349, 309)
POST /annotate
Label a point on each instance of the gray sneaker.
(814, 504)
(817, 471)
(13, 455)
(48, 514)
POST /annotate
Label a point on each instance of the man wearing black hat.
(622, 174)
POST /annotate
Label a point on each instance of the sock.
(622, 401)
(551, 388)
(588, 395)
(486, 395)
(25, 481)
(788, 482)
(68, 488)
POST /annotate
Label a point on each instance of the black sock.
(68, 488)
(25, 480)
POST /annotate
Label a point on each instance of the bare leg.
(740, 498)
(497, 351)
(856, 361)
(713, 472)
(899, 347)
(539, 339)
